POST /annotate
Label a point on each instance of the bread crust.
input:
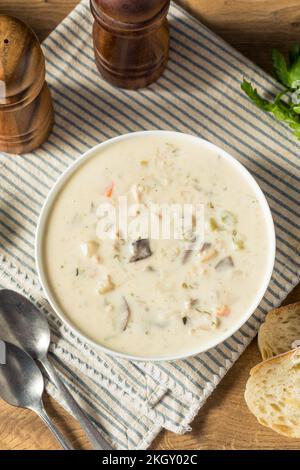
(274, 336)
(272, 393)
(274, 360)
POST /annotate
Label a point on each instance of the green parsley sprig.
(286, 105)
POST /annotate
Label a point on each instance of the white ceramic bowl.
(42, 228)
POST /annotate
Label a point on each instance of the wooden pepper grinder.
(26, 111)
(131, 40)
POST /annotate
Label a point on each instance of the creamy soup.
(142, 293)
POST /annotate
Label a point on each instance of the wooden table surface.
(224, 422)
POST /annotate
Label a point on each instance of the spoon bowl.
(22, 324)
(22, 385)
(16, 314)
(21, 381)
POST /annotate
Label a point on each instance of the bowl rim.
(47, 205)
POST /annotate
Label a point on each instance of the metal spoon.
(22, 385)
(22, 324)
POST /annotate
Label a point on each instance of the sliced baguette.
(273, 393)
(279, 331)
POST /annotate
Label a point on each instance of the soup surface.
(141, 292)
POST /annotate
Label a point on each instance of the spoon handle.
(97, 441)
(43, 415)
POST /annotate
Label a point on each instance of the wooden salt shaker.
(131, 40)
(26, 111)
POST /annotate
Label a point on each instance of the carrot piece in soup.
(223, 311)
(109, 190)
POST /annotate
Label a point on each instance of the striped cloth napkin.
(200, 94)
